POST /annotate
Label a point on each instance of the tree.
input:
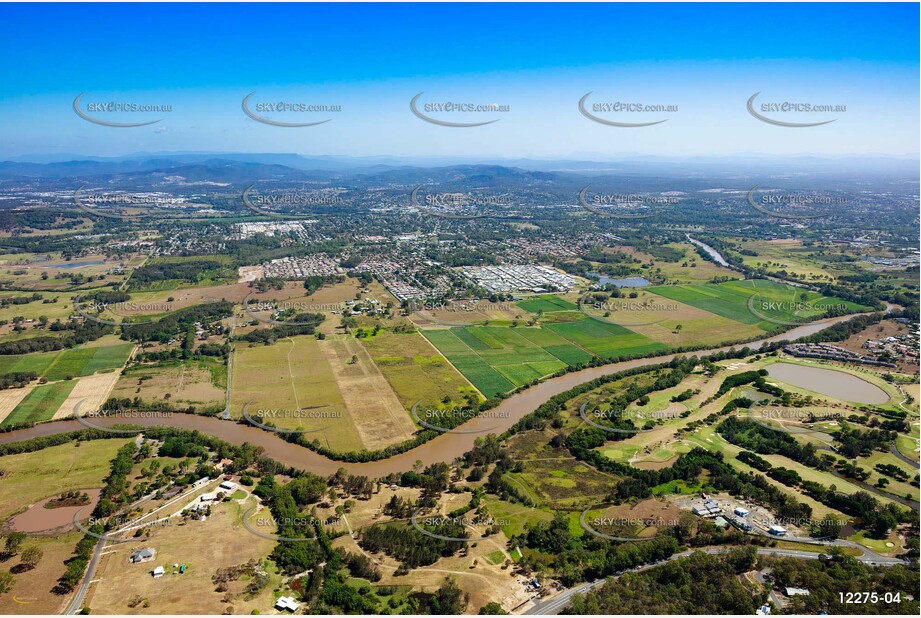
(6, 582)
(448, 599)
(14, 542)
(31, 556)
(492, 609)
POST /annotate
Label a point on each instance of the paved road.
(895, 451)
(76, 603)
(558, 603)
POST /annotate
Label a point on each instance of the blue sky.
(537, 59)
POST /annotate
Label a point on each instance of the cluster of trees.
(16, 379)
(699, 584)
(412, 548)
(75, 334)
(301, 324)
(6, 301)
(756, 437)
(184, 270)
(836, 573)
(177, 323)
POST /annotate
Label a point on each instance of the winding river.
(444, 448)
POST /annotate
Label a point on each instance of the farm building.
(208, 497)
(227, 485)
(777, 530)
(158, 572)
(740, 511)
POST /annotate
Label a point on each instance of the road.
(558, 603)
(895, 451)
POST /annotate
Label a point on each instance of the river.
(444, 448)
(719, 259)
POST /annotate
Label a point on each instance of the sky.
(702, 62)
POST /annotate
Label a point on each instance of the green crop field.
(547, 303)
(770, 301)
(605, 339)
(498, 358)
(75, 362)
(41, 404)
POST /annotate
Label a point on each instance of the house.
(764, 610)
(208, 497)
(159, 571)
(740, 511)
(227, 485)
(142, 555)
(720, 522)
(777, 530)
(797, 592)
(201, 481)
(287, 603)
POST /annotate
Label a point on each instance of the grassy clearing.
(29, 477)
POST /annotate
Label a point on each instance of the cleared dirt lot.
(92, 391)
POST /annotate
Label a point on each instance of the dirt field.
(886, 328)
(92, 391)
(203, 546)
(376, 412)
(31, 592)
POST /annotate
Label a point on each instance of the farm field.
(186, 382)
(82, 361)
(668, 321)
(415, 370)
(607, 340)
(41, 404)
(547, 303)
(294, 386)
(731, 300)
(496, 359)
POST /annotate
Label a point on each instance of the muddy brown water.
(444, 448)
(39, 519)
(829, 382)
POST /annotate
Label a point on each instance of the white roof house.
(287, 603)
(795, 592)
(741, 512)
(159, 571)
(228, 485)
(777, 530)
(208, 497)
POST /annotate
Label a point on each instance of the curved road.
(443, 448)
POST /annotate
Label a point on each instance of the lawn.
(40, 404)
